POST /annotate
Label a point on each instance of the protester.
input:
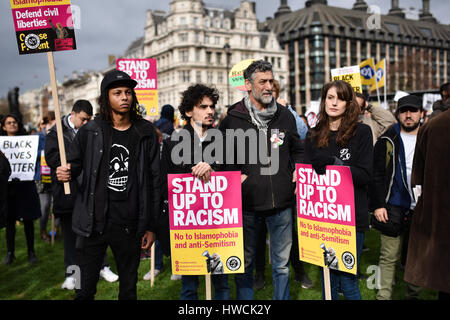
(197, 108)
(22, 202)
(41, 178)
(339, 139)
(392, 200)
(267, 190)
(117, 155)
(63, 204)
(260, 261)
(376, 117)
(166, 123)
(444, 103)
(428, 259)
(5, 172)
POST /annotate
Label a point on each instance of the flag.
(367, 72)
(380, 73)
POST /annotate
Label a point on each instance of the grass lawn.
(22, 281)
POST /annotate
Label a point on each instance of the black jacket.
(62, 203)
(389, 183)
(5, 172)
(90, 158)
(169, 167)
(275, 191)
(358, 155)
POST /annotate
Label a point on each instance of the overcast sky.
(108, 27)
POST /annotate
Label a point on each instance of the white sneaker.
(148, 275)
(69, 283)
(175, 277)
(108, 275)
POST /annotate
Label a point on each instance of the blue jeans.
(347, 281)
(279, 226)
(158, 256)
(190, 287)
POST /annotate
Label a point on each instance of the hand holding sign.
(63, 173)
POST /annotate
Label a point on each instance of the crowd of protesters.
(117, 167)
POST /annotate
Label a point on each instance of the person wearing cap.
(116, 156)
(391, 199)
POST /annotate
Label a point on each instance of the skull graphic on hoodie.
(118, 168)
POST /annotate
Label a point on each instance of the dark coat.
(389, 183)
(90, 148)
(264, 193)
(62, 203)
(23, 200)
(428, 258)
(360, 157)
(5, 172)
(168, 167)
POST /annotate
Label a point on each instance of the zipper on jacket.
(270, 170)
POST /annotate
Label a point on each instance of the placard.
(206, 235)
(326, 218)
(145, 72)
(43, 25)
(21, 152)
(352, 75)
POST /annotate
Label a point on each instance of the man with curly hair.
(197, 108)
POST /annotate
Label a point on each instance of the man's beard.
(262, 99)
(411, 128)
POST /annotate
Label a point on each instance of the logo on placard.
(32, 41)
(348, 259)
(233, 263)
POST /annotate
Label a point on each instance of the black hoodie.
(274, 191)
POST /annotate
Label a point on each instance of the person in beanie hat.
(117, 158)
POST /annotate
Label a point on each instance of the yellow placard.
(194, 251)
(350, 74)
(149, 98)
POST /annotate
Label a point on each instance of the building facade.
(320, 37)
(197, 44)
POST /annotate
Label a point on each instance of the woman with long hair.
(338, 139)
(22, 201)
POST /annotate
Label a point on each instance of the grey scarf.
(261, 118)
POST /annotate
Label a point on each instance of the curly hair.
(105, 107)
(194, 95)
(347, 129)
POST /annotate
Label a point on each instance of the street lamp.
(227, 49)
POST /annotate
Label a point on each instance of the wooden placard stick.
(208, 286)
(152, 265)
(59, 129)
(327, 283)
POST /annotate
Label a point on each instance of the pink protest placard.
(145, 72)
(206, 223)
(326, 217)
(43, 26)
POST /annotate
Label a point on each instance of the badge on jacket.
(277, 138)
